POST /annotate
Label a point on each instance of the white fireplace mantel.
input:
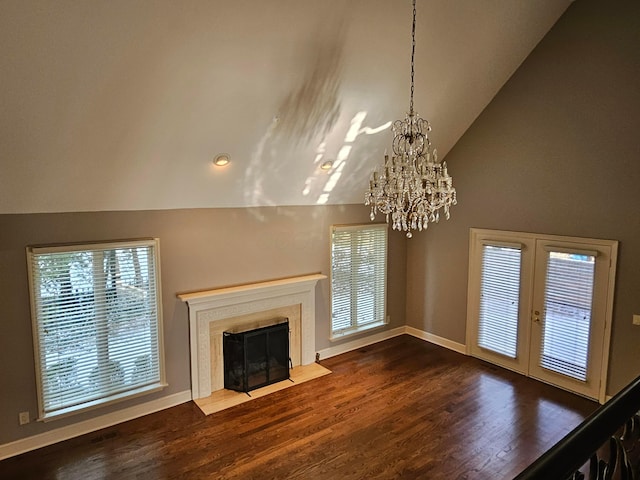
(210, 306)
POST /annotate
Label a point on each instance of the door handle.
(536, 316)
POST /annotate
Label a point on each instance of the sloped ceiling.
(122, 104)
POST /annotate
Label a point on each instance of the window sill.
(102, 402)
(335, 336)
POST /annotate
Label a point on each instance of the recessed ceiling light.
(327, 165)
(222, 160)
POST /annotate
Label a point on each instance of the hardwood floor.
(402, 408)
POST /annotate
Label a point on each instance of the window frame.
(355, 327)
(157, 383)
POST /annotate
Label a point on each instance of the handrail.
(568, 455)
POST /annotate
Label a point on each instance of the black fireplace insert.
(256, 358)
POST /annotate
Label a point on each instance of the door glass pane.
(499, 299)
(567, 313)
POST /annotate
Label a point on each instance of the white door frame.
(479, 237)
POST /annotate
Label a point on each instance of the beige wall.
(557, 151)
(200, 249)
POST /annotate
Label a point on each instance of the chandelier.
(411, 187)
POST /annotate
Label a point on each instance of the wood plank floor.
(402, 408)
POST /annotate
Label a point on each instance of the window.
(568, 312)
(499, 298)
(358, 278)
(97, 324)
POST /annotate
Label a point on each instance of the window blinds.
(96, 314)
(358, 276)
(499, 299)
(567, 313)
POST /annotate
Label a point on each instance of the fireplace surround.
(211, 312)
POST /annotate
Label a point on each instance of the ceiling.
(122, 104)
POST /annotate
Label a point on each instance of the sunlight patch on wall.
(354, 131)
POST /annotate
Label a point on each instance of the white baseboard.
(435, 339)
(379, 337)
(359, 343)
(70, 431)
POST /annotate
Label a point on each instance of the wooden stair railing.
(605, 446)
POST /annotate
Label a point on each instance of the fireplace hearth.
(257, 357)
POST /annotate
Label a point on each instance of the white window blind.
(567, 313)
(499, 299)
(97, 323)
(358, 276)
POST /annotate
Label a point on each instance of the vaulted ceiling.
(122, 104)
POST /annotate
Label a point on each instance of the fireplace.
(212, 312)
(257, 357)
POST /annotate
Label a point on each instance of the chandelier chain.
(413, 53)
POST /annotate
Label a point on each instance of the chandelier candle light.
(411, 186)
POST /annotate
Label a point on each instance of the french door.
(541, 305)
